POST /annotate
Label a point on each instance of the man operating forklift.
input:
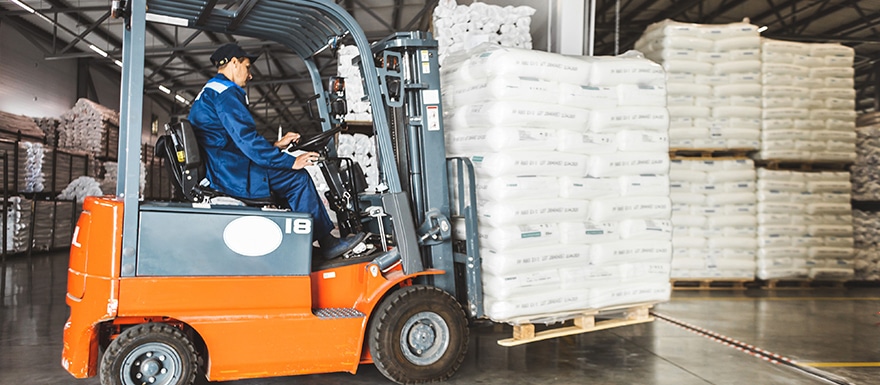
(242, 163)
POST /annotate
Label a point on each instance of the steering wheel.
(316, 142)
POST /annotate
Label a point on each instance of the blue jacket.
(238, 158)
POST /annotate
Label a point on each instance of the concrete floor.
(836, 331)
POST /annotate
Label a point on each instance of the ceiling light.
(165, 89)
(23, 5)
(762, 29)
(181, 99)
(98, 50)
(118, 62)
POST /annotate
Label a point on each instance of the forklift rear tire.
(418, 334)
(151, 353)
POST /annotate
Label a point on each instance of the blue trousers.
(297, 188)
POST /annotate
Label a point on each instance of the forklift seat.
(182, 153)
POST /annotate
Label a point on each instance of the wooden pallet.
(709, 284)
(806, 165)
(710, 153)
(583, 322)
(798, 284)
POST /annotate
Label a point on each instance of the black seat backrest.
(184, 157)
(181, 151)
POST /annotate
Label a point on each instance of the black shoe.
(332, 247)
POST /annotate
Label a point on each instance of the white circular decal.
(252, 236)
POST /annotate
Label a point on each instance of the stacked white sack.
(809, 101)
(714, 82)
(805, 225)
(90, 127)
(866, 170)
(111, 171)
(355, 97)
(867, 245)
(33, 175)
(18, 219)
(572, 166)
(714, 219)
(361, 149)
(80, 188)
(462, 27)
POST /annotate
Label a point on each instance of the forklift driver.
(241, 163)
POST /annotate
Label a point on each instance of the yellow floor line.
(776, 298)
(841, 364)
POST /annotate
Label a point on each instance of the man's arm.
(239, 123)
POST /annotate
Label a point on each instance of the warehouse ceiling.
(177, 58)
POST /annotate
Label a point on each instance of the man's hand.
(305, 159)
(286, 140)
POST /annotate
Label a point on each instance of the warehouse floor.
(829, 332)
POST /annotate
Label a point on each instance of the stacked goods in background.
(361, 149)
(90, 127)
(867, 244)
(49, 126)
(866, 169)
(38, 224)
(462, 27)
(713, 211)
(15, 127)
(18, 224)
(805, 225)
(809, 102)
(866, 195)
(571, 156)
(714, 82)
(358, 107)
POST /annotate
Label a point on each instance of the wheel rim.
(424, 338)
(152, 363)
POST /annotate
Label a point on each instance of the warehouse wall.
(30, 85)
(33, 86)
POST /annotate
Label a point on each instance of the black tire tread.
(108, 371)
(385, 362)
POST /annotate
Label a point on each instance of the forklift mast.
(402, 84)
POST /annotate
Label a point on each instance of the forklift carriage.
(160, 292)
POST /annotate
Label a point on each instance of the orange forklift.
(163, 292)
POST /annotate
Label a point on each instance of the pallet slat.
(710, 153)
(582, 323)
(709, 284)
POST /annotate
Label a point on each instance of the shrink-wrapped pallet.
(714, 82)
(571, 174)
(805, 225)
(715, 227)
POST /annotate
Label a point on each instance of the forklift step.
(338, 312)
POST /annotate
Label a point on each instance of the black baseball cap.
(228, 51)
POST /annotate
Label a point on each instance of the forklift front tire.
(418, 334)
(151, 353)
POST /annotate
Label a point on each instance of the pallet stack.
(805, 225)
(714, 205)
(572, 180)
(714, 82)
(866, 198)
(92, 128)
(809, 101)
(460, 27)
